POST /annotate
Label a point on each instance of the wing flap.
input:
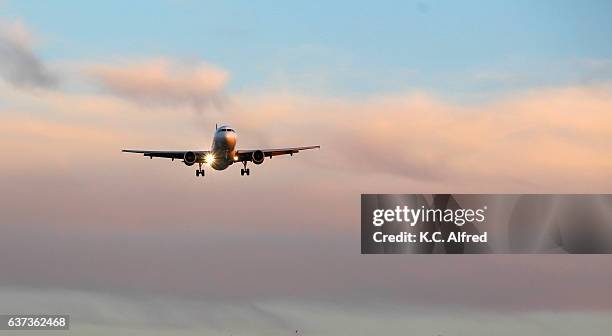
(246, 155)
(163, 154)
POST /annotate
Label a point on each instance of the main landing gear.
(200, 172)
(245, 170)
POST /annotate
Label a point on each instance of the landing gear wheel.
(200, 172)
(245, 170)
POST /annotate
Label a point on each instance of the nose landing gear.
(200, 172)
(245, 170)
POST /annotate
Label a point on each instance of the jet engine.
(258, 157)
(190, 158)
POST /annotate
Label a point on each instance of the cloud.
(594, 70)
(19, 65)
(94, 313)
(163, 81)
(531, 140)
(166, 235)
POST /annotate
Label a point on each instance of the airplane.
(223, 153)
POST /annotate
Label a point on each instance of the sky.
(403, 97)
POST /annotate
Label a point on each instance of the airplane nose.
(230, 138)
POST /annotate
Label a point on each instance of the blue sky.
(344, 47)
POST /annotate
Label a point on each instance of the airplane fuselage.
(223, 147)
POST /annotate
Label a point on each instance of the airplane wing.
(246, 155)
(165, 154)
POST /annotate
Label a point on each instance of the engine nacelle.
(190, 158)
(258, 157)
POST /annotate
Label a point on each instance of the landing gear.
(200, 172)
(245, 170)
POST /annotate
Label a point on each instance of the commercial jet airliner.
(222, 154)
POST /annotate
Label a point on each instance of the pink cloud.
(78, 214)
(162, 81)
(533, 139)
